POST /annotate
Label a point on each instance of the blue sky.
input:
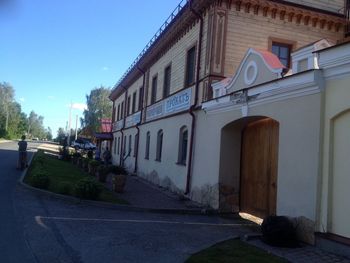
(54, 52)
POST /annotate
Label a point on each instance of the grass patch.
(63, 176)
(236, 251)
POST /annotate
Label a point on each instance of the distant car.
(83, 145)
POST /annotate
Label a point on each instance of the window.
(190, 66)
(118, 145)
(167, 80)
(124, 146)
(134, 102)
(159, 145)
(122, 111)
(148, 140)
(140, 98)
(118, 115)
(128, 107)
(282, 51)
(154, 89)
(115, 145)
(183, 142)
(130, 142)
(136, 143)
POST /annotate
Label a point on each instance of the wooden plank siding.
(328, 5)
(248, 30)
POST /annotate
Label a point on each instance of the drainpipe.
(122, 129)
(113, 120)
(192, 108)
(138, 124)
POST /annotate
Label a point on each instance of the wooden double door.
(259, 158)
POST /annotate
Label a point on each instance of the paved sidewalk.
(303, 254)
(140, 193)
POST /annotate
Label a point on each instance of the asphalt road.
(13, 245)
(38, 228)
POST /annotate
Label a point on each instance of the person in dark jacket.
(107, 156)
(22, 153)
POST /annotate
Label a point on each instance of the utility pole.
(76, 127)
(69, 124)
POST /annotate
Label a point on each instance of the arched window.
(159, 145)
(124, 146)
(115, 145)
(148, 140)
(136, 142)
(130, 142)
(118, 145)
(183, 142)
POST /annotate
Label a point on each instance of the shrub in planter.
(80, 162)
(75, 157)
(64, 153)
(119, 182)
(85, 164)
(102, 173)
(64, 188)
(115, 169)
(279, 231)
(87, 188)
(40, 180)
(93, 164)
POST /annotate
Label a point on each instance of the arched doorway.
(248, 166)
(339, 207)
(259, 157)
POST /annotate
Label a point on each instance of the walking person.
(22, 153)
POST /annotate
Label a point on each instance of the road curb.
(110, 205)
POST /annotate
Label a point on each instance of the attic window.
(282, 51)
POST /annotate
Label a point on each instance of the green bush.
(64, 152)
(87, 188)
(40, 180)
(103, 169)
(94, 163)
(117, 169)
(64, 188)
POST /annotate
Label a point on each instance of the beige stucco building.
(210, 110)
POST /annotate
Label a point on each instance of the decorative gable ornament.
(257, 67)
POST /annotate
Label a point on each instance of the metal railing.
(164, 26)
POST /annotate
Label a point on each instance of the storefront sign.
(179, 102)
(118, 125)
(133, 120)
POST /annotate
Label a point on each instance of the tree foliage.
(13, 122)
(99, 106)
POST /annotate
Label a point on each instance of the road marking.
(39, 220)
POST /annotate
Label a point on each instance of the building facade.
(182, 116)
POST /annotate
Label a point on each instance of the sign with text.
(133, 120)
(118, 125)
(178, 102)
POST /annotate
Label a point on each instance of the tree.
(99, 106)
(35, 125)
(61, 136)
(49, 134)
(7, 94)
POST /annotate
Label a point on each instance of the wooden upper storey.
(316, 14)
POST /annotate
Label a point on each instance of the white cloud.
(79, 106)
